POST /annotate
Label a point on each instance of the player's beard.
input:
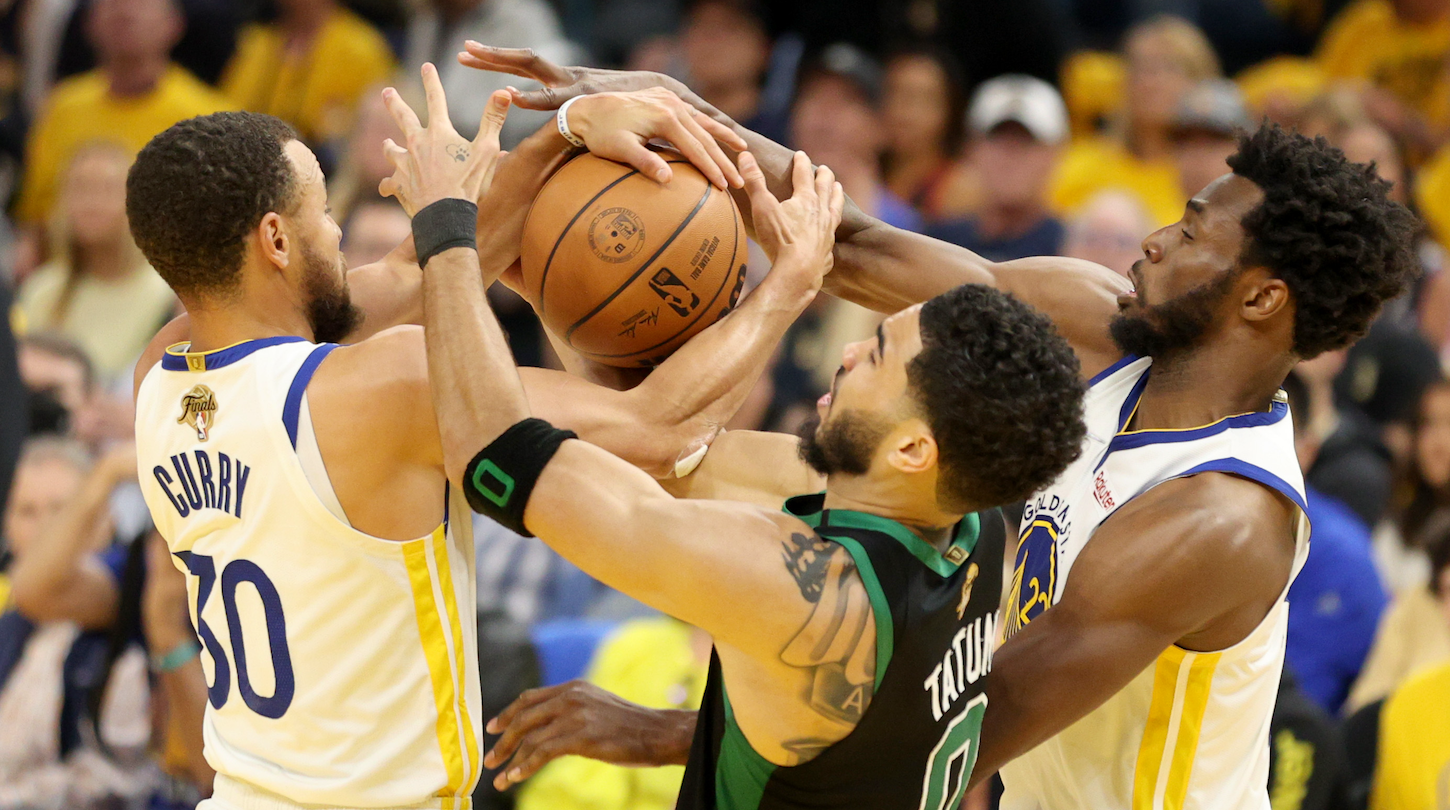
(844, 444)
(330, 311)
(1176, 326)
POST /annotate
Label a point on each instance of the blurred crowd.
(1010, 127)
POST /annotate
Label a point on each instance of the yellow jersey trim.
(1182, 685)
(440, 672)
(445, 580)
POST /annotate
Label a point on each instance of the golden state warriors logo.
(198, 409)
(1034, 580)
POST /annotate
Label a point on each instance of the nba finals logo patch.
(967, 582)
(198, 409)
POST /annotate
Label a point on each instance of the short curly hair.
(198, 188)
(1002, 393)
(1327, 227)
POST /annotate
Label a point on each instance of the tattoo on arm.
(837, 644)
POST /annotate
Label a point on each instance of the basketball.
(625, 270)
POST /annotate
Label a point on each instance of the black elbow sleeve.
(500, 479)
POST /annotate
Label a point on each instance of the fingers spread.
(403, 115)
(518, 61)
(755, 182)
(649, 163)
(694, 120)
(722, 133)
(437, 101)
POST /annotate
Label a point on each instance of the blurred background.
(1010, 127)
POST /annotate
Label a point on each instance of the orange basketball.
(625, 270)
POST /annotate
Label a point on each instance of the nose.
(1153, 245)
(852, 354)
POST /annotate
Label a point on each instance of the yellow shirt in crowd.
(81, 110)
(111, 319)
(317, 91)
(1412, 769)
(1432, 195)
(651, 662)
(1096, 164)
(1367, 41)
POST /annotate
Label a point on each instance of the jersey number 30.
(951, 762)
(235, 573)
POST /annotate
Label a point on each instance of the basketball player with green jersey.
(852, 628)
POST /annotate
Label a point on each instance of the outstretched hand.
(622, 112)
(578, 718)
(799, 232)
(436, 162)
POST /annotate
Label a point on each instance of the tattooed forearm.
(805, 749)
(837, 644)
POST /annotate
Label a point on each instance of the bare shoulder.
(394, 361)
(377, 390)
(178, 330)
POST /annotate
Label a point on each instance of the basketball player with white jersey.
(1147, 611)
(300, 483)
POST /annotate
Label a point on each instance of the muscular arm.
(878, 266)
(751, 467)
(1196, 562)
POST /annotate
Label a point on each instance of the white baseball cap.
(1027, 100)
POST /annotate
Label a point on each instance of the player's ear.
(1264, 296)
(273, 241)
(913, 448)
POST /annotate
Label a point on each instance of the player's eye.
(1187, 237)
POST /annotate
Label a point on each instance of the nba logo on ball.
(616, 234)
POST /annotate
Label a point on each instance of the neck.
(216, 325)
(857, 494)
(1008, 221)
(106, 260)
(128, 78)
(1204, 386)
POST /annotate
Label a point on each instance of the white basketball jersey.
(1190, 732)
(341, 667)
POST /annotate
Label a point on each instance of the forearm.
(43, 576)
(476, 390)
(699, 388)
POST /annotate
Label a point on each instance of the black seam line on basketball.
(700, 312)
(544, 276)
(569, 335)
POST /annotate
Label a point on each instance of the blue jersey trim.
(1142, 438)
(1131, 403)
(1113, 369)
(211, 361)
(1252, 472)
(293, 406)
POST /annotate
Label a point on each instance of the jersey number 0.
(235, 573)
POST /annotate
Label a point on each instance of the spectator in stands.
(65, 397)
(362, 163)
(74, 692)
(308, 68)
(1401, 46)
(13, 416)
(836, 120)
(1204, 133)
(135, 93)
(1345, 456)
(1412, 770)
(1109, 229)
(1166, 57)
(924, 111)
(1415, 631)
(1306, 753)
(373, 230)
(659, 663)
(437, 34)
(724, 51)
(1280, 88)
(98, 289)
(1337, 596)
(1017, 125)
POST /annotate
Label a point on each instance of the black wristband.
(499, 480)
(444, 225)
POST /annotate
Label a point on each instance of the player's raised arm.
(878, 266)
